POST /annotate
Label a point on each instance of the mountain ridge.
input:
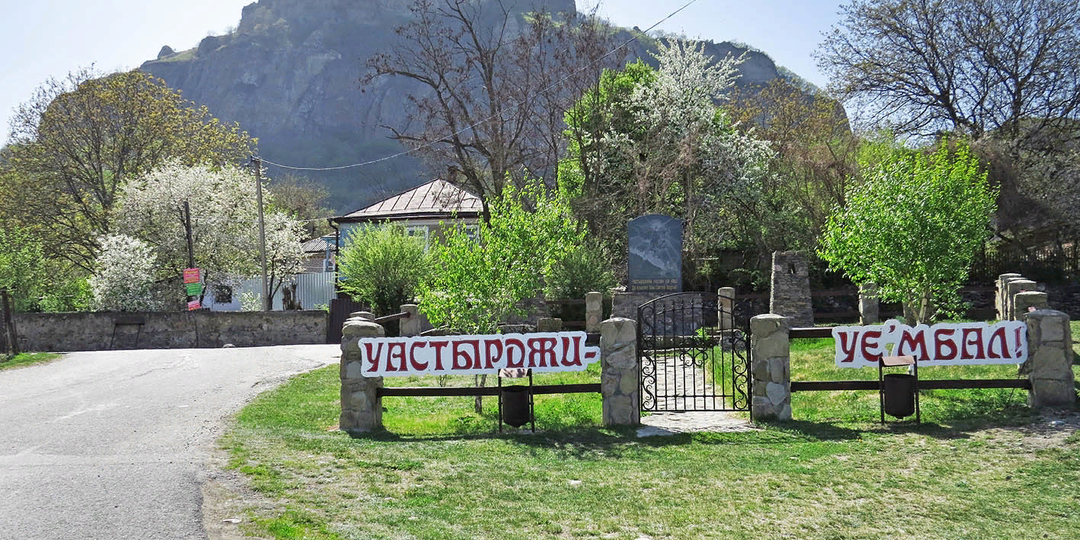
(289, 75)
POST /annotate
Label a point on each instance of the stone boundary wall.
(63, 332)
(1064, 298)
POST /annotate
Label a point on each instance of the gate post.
(619, 384)
(1049, 363)
(726, 303)
(770, 367)
(361, 406)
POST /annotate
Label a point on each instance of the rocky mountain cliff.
(289, 75)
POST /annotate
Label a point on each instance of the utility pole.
(267, 301)
(9, 324)
(190, 243)
(187, 227)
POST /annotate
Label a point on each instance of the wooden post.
(12, 347)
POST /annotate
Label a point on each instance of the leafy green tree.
(478, 282)
(78, 141)
(304, 199)
(912, 226)
(22, 267)
(383, 266)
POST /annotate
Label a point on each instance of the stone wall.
(1064, 298)
(167, 330)
(624, 304)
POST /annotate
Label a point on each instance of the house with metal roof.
(425, 211)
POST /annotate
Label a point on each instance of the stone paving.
(670, 371)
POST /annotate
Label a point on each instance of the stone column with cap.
(1049, 364)
(1028, 301)
(770, 368)
(410, 326)
(594, 311)
(790, 292)
(999, 298)
(619, 372)
(1012, 288)
(361, 406)
(726, 307)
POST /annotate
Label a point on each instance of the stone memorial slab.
(655, 245)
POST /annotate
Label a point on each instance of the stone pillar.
(594, 311)
(770, 368)
(999, 299)
(619, 372)
(1028, 299)
(790, 295)
(1011, 289)
(361, 407)
(410, 326)
(726, 307)
(868, 304)
(549, 324)
(1049, 363)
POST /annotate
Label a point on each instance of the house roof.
(317, 245)
(435, 199)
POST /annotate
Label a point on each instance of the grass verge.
(26, 359)
(978, 467)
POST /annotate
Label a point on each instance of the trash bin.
(899, 390)
(515, 405)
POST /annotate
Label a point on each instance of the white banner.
(467, 355)
(946, 344)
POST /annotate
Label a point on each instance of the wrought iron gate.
(694, 354)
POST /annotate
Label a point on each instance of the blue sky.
(49, 38)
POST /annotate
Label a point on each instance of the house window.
(222, 294)
(420, 231)
(473, 232)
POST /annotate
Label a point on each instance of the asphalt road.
(113, 445)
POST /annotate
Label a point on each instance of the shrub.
(383, 266)
(585, 269)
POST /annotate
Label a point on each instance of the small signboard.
(655, 246)
(193, 305)
(193, 289)
(191, 275)
(467, 355)
(946, 344)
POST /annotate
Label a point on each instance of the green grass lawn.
(982, 465)
(26, 359)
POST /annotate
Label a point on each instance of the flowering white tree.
(656, 141)
(224, 225)
(123, 277)
(284, 251)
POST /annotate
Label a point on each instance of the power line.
(473, 125)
